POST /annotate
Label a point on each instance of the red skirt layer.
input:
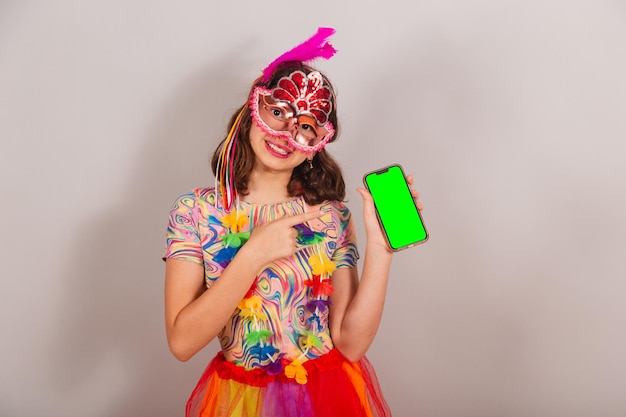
(335, 387)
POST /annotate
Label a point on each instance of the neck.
(268, 187)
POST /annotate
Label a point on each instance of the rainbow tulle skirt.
(334, 387)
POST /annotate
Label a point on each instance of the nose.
(292, 126)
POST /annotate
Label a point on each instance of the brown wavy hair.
(322, 182)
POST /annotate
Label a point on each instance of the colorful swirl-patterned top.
(284, 318)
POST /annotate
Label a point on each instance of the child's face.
(297, 110)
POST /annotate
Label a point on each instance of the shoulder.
(196, 203)
(340, 213)
(339, 208)
(196, 196)
(204, 195)
(346, 251)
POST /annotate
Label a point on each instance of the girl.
(267, 261)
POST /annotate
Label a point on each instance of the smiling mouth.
(278, 149)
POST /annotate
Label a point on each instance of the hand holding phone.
(396, 208)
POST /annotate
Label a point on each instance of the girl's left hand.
(416, 195)
(372, 227)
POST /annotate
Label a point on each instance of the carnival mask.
(297, 110)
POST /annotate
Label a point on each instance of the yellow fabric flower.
(251, 303)
(297, 371)
(321, 264)
(252, 307)
(234, 221)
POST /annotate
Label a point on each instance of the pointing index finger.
(303, 217)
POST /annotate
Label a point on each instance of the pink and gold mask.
(297, 110)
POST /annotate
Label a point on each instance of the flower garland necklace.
(251, 306)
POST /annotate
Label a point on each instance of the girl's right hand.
(276, 239)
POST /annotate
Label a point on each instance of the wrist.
(252, 258)
(379, 248)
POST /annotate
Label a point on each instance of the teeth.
(277, 149)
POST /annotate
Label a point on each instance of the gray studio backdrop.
(510, 115)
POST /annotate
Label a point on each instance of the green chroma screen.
(396, 207)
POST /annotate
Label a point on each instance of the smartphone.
(396, 209)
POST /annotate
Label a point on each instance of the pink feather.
(314, 47)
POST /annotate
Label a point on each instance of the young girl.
(267, 261)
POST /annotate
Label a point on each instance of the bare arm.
(357, 307)
(193, 315)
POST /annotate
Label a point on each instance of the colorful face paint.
(297, 110)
